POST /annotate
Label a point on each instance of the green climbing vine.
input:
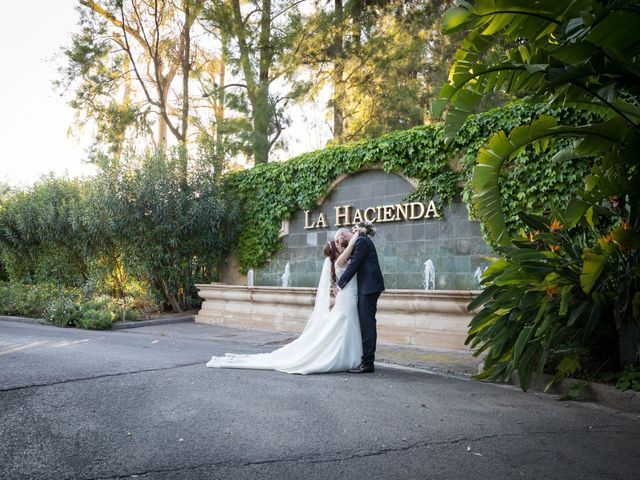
(272, 192)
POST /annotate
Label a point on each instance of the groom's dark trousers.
(364, 262)
(367, 306)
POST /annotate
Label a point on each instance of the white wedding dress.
(330, 341)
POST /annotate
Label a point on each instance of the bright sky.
(34, 119)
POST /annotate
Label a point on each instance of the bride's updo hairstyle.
(331, 250)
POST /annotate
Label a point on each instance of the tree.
(261, 38)
(382, 59)
(176, 230)
(43, 235)
(131, 65)
(579, 268)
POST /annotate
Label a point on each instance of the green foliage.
(271, 193)
(17, 299)
(537, 311)
(583, 54)
(97, 313)
(144, 225)
(170, 220)
(628, 379)
(64, 307)
(43, 235)
(97, 72)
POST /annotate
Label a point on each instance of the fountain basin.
(430, 319)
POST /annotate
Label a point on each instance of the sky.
(35, 119)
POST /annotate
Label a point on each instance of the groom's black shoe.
(363, 368)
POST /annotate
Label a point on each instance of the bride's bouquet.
(365, 228)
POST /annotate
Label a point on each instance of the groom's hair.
(341, 230)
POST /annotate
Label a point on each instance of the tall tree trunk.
(262, 111)
(162, 132)
(185, 64)
(186, 68)
(257, 88)
(338, 72)
(220, 103)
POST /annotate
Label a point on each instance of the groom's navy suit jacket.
(364, 262)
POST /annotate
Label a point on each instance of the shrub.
(63, 307)
(96, 319)
(64, 312)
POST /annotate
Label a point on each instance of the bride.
(330, 341)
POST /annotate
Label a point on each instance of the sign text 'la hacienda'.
(346, 215)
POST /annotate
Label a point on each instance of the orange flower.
(554, 248)
(531, 236)
(555, 225)
(607, 238)
(626, 225)
(552, 291)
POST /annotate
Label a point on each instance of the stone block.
(462, 246)
(312, 239)
(462, 263)
(417, 232)
(466, 229)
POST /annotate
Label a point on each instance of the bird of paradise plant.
(584, 54)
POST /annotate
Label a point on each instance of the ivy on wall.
(270, 193)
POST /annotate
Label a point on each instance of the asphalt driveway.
(140, 403)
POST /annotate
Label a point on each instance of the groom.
(364, 262)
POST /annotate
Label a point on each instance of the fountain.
(478, 275)
(250, 278)
(286, 276)
(429, 275)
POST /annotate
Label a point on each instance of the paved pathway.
(119, 404)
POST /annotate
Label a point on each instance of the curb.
(37, 321)
(115, 326)
(153, 321)
(426, 368)
(599, 393)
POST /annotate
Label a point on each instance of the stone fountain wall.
(428, 319)
(452, 242)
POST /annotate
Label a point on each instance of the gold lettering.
(413, 207)
(343, 215)
(431, 210)
(307, 220)
(357, 217)
(388, 213)
(379, 214)
(402, 211)
(366, 214)
(322, 221)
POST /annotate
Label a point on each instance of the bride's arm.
(341, 261)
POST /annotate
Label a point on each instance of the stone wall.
(452, 242)
(433, 319)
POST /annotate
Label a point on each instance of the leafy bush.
(171, 221)
(63, 307)
(629, 379)
(541, 311)
(96, 319)
(30, 300)
(64, 312)
(43, 235)
(574, 284)
(144, 226)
